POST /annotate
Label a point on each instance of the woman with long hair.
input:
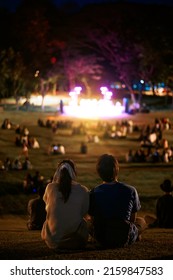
(67, 203)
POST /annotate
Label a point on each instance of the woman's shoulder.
(81, 187)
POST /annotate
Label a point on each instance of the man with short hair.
(113, 206)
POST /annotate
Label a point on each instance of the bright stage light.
(94, 109)
(82, 108)
(49, 100)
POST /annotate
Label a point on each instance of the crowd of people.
(69, 215)
(153, 146)
(16, 164)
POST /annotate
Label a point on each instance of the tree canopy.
(66, 45)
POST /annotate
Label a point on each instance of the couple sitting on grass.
(105, 215)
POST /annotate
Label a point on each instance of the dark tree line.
(48, 48)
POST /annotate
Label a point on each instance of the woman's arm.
(133, 217)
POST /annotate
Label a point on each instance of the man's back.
(114, 200)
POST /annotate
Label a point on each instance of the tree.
(82, 69)
(12, 82)
(122, 55)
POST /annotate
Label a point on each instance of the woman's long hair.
(65, 178)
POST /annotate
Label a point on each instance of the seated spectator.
(41, 123)
(165, 144)
(24, 140)
(129, 156)
(152, 137)
(28, 183)
(113, 207)
(61, 149)
(16, 164)
(55, 149)
(36, 211)
(27, 164)
(25, 150)
(156, 156)
(18, 129)
(170, 153)
(139, 156)
(25, 131)
(96, 139)
(7, 164)
(38, 181)
(34, 143)
(6, 124)
(18, 141)
(164, 208)
(165, 156)
(130, 126)
(83, 148)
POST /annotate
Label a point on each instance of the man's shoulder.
(114, 184)
(127, 186)
(34, 200)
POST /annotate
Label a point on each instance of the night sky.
(11, 4)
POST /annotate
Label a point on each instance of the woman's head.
(107, 167)
(64, 175)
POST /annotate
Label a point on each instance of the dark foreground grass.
(17, 243)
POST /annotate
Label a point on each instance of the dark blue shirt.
(115, 200)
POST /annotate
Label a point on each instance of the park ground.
(17, 243)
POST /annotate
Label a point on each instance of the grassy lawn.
(146, 177)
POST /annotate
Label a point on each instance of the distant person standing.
(36, 211)
(61, 107)
(113, 207)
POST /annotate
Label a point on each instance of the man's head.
(107, 167)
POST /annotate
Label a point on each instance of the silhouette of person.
(164, 208)
(36, 211)
(67, 203)
(113, 207)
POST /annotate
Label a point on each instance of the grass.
(17, 243)
(145, 177)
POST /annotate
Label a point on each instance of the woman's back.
(65, 216)
(67, 203)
